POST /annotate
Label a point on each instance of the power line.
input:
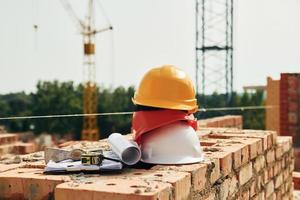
(241, 108)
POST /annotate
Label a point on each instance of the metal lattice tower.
(214, 46)
(88, 30)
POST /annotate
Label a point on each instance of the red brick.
(28, 184)
(259, 163)
(277, 168)
(245, 174)
(269, 189)
(225, 158)
(296, 180)
(180, 181)
(278, 181)
(270, 156)
(197, 173)
(8, 138)
(24, 148)
(6, 149)
(117, 189)
(245, 195)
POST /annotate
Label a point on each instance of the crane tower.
(88, 30)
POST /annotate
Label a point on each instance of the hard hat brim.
(168, 104)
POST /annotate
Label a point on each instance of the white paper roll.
(128, 151)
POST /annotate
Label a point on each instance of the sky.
(146, 34)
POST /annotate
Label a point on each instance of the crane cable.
(35, 25)
(112, 50)
(241, 108)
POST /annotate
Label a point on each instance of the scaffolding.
(214, 47)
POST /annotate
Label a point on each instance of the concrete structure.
(239, 164)
(254, 88)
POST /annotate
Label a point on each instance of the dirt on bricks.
(239, 164)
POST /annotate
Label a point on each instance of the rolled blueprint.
(128, 151)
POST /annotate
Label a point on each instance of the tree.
(54, 98)
(16, 104)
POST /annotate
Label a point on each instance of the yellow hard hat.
(166, 87)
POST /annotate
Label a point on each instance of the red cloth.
(145, 121)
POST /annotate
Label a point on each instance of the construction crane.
(88, 30)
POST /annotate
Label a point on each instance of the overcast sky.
(146, 34)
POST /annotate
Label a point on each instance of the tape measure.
(95, 159)
(91, 159)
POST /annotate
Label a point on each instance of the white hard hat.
(176, 143)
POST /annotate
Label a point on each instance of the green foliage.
(118, 100)
(16, 104)
(56, 97)
(252, 119)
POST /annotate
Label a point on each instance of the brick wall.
(290, 106)
(228, 121)
(239, 164)
(10, 144)
(273, 99)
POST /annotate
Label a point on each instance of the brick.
(228, 187)
(24, 148)
(7, 167)
(224, 121)
(224, 189)
(285, 142)
(286, 174)
(224, 157)
(233, 186)
(259, 182)
(236, 157)
(263, 136)
(283, 163)
(269, 189)
(272, 197)
(117, 189)
(266, 176)
(211, 196)
(292, 166)
(28, 184)
(214, 172)
(245, 174)
(259, 163)
(270, 172)
(240, 147)
(235, 167)
(270, 156)
(288, 184)
(8, 138)
(296, 180)
(180, 181)
(245, 195)
(277, 168)
(239, 151)
(197, 174)
(278, 152)
(254, 146)
(6, 149)
(278, 181)
(269, 137)
(278, 194)
(253, 189)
